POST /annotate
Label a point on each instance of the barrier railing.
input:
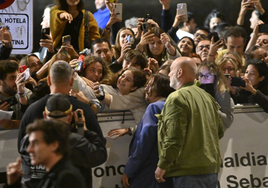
(243, 148)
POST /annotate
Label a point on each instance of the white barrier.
(244, 150)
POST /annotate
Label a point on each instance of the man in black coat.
(60, 80)
(48, 146)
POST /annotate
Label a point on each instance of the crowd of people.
(180, 80)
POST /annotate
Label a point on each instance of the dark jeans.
(196, 181)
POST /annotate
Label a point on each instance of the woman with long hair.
(256, 89)
(158, 45)
(121, 45)
(123, 91)
(214, 82)
(68, 18)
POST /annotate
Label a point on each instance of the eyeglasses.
(200, 48)
(227, 69)
(206, 76)
(201, 35)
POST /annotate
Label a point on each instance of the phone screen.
(79, 66)
(26, 74)
(215, 35)
(66, 39)
(146, 27)
(263, 28)
(128, 39)
(236, 81)
(45, 31)
(79, 114)
(118, 10)
(75, 86)
(64, 50)
(182, 9)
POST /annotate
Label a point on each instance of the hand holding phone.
(215, 36)
(44, 32)
(236, 81)
(80, 121)
(118, 10)
(182, 9)
(64, 50)
(128, 39)
(66, 39)
(11, 101)
(75, 86)
(263, 28)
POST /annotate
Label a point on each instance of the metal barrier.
(243, 147)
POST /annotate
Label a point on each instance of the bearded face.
(9, 90)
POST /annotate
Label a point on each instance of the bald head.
(183, 70)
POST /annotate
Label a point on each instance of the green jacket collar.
(187, 84)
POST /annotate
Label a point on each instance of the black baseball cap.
(58, 105)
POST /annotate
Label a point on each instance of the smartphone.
(236, 81)
(263, 28)
(146, 27)
(182, 9)
(79, 115)
(66, 39)
(118, 9)
(22, 68)
(45, 31)
(64, 50)
(215, 35)
(12, 101)
(79, 66)
(75, 86)
(128, 39)
(147, 17)
(26, 74)
(209, 88)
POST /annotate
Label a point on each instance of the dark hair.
(161, 85)
(7, 67)
(53, 131)
(139, 78)
(262, 70)
(157, 31)
(192, 41)
(141, 60)
(235, 31)
(257, 13)
(50, 6)
(213, 14)
(88, 60)
(117, 46)
(25, 59)
(62, 5)
(100, 40)
(203, 29)
(165, 67)
(190, 17)
(249, 54)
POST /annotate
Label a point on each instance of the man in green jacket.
(189, 130)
